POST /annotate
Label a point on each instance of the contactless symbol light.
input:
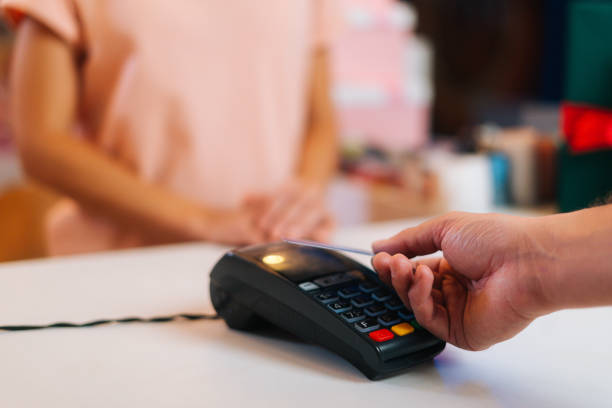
(273, 259)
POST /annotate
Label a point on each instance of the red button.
(381, 335)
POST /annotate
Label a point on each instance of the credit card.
(314, 244)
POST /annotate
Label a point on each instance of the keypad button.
(406, 314)
(367, 325)
(327, 297)
(402, 329)
(381, 295)
(308, 286)
(375, 310)
(389, 319)
(394, 304)
(369, 286)
(381, 335)
(349, 292)
(362, 301)
(340, 306)
(353, 316)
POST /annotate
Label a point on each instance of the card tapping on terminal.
(322, 297)
(321, 245)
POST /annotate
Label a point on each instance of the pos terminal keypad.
(365, 305)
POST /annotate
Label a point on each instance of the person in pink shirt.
(167, 121)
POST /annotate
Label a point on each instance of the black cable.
(159, 319)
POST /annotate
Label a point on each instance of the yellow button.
(402, 329)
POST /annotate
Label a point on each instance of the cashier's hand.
(231, 227)
(483, 290)
(296, 210)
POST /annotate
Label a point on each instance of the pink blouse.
(206, 98)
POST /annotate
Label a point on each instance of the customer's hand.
(487, 287)
(296, 210)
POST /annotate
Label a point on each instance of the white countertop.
(561, 360)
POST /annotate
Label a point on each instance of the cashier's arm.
(320, 150)
(298, 209)
(44, 91)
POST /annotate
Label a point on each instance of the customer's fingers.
(432, 262)
(423, 239)
(402, 271)
(429, 314)
(382, 265)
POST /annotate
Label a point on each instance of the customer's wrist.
(578, 245)
(543, 266)
(583, 242)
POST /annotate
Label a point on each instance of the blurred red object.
(586, 128)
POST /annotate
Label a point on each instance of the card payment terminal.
(325, 298)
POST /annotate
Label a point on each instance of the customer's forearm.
(582, 246)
